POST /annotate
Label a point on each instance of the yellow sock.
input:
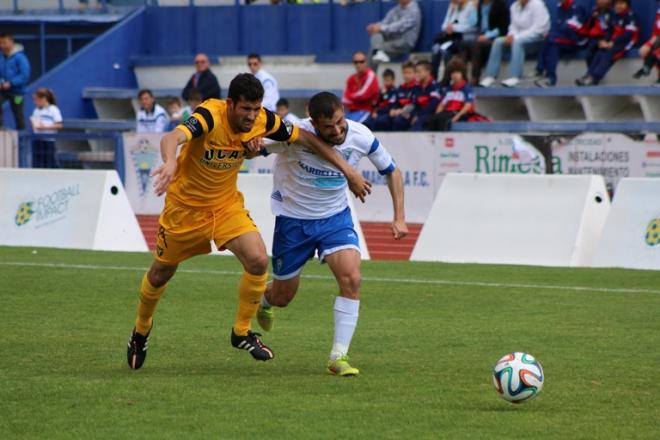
(149, 296)
(250, 290)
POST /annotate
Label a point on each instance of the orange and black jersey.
(208, 165)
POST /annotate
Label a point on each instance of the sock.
(149, 296)
(264, 301)
(346, 317)
(250, 291)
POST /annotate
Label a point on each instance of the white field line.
(440, 282)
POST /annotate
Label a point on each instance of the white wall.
(631, 237)
(511, 219)
(67, 209)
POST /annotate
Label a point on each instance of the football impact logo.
(24, 213)
(652, 237)
(144, 158)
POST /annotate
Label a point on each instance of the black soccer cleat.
(137, 349)
(253, 345)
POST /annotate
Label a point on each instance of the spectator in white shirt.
(271, 92)
(530, 22)
(284, 113)
(152, 118)
(46, 118)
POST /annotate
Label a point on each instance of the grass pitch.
(427, 339)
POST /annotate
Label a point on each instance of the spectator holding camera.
(458, 28)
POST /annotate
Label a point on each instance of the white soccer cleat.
(487, 81)
(511, 82)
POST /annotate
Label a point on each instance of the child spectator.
(178, 114)
(405, 90)
(563, 39)
(425, 98)
(46, 118)
(597, 27)
(459, 25)
(622, 36)
(282, 108)
(380, 119)
(650, 51)
(458, 102)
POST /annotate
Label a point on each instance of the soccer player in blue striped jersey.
(313, 216)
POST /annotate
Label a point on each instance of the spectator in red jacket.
(650, 51)
(621, 38)
(362, 91)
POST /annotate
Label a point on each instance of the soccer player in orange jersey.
(203, 204)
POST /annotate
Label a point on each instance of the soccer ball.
(518, 377)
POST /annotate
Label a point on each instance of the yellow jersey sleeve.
(202, 121)
(278, 129)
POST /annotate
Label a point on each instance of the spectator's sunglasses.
(200, 61)
(359, 61)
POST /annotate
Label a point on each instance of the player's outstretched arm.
(165, 173)
(395, 185)
(357, 184)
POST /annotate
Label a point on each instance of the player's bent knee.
(256, 264)
(280, 300)
(160, 274)
(350, 285)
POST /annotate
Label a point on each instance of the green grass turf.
(425, 351)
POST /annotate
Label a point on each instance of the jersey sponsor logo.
(222, 159)
(317, 172)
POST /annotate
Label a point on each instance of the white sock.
(264, 302)
(346, 317)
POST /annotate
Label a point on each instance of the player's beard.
(337, 140)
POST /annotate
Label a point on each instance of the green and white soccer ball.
(518, 377)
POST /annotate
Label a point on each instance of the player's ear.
(230, 103)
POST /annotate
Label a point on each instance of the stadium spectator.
(203, 80)
(650, 51)
(458, 102)
(361, 92)
(381, 119)
(458, 28)
(178, 113)
(46, 118)
(563, 39)
(14, 76)
(530, 21)
(622, 36)
(405, 90)
(284, 113)
(425, 99)
(396, 34)
(597, 27)
(271, 92)
(492, 22)
(151, 118)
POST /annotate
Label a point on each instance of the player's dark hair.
(388, 73)
(6, 35)
(246, 87)
(254, 56)
(282, 101)
(425, 65)
(323, 105)
(145, 92)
